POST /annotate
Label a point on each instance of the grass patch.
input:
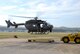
(28, 35)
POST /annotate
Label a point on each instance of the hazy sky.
(56, 12)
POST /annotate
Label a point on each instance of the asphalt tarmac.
(21, 46)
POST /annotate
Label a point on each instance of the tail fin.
(8, 23)
(15, 24)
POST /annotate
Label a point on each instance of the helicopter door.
(34, 26)
(44, 25)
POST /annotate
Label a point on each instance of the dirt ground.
(21, 46)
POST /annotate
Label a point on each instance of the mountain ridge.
(23, 29)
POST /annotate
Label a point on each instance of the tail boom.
(12, 24)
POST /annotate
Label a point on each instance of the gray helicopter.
(33, 25)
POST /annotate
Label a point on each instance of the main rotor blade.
(21, 16)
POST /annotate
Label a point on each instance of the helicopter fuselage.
(38, 26)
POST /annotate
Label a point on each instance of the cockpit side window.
(41, 25)
(34, 25)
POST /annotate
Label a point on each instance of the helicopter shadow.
(54, 43)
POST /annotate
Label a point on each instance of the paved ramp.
(21, 46)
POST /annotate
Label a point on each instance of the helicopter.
(33, 25)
